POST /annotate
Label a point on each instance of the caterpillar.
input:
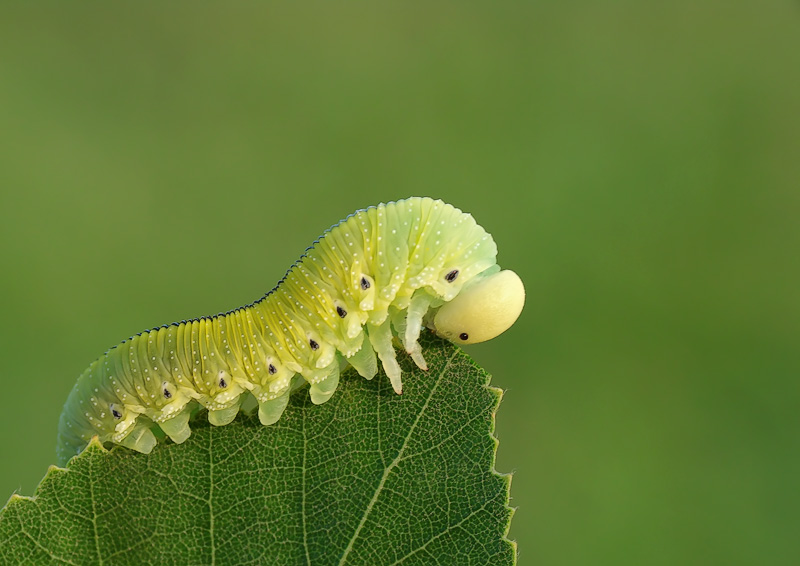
(378, 276)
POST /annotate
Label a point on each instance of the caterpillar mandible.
(382, 272)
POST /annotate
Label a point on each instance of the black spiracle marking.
(364, 283)
(223, 383)
(271, 369)
(313, 344)
(341, 312)
(167, 394)
(450, 277)
(116, 413)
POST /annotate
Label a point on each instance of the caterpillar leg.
(141, 439)
(420, 303)
(221, 417)
(269, 412)
(364, 360)
(381, 338)
(322, 390)
(177, 428)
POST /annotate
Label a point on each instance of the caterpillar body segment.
(382, 273)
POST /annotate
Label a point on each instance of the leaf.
(368, 478)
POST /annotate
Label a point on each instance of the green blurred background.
(637, 163)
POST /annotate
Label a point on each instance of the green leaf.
(368, 478)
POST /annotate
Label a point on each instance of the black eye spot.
(222, 382)
(450, 277)
(167, 394)
(116, 413)
(314, 345)
(271, 369)
(364, 283)
(341, 312)
(464, 336)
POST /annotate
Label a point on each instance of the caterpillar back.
(383, 272)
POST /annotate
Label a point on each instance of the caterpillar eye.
(464, 336)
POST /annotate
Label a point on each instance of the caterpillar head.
(483, 310)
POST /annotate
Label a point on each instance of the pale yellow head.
(482, 310)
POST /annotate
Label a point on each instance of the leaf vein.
(444, 532)
(397, 459)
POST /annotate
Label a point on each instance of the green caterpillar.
(383, 271)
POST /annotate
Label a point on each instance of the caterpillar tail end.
(66, 448)
(72, 438)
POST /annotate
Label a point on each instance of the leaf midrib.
(400, 453)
